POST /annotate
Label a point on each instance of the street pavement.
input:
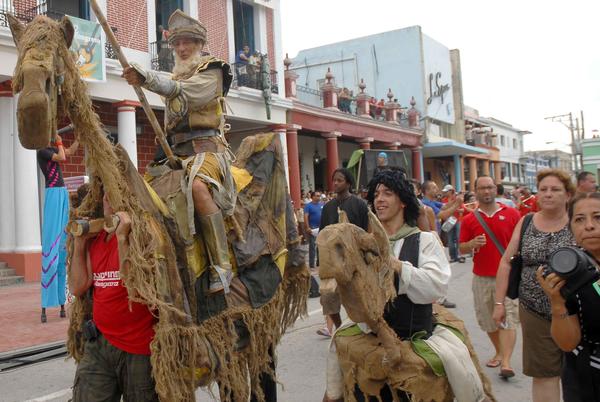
(301, 355)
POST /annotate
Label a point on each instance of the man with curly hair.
(425, 271)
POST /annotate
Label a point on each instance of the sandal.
(324, 332)
(507, 373)
(493, 363)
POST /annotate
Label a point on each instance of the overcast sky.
(521, 60)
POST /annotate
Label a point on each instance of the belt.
(180, 138)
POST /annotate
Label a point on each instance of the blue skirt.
(54, 251)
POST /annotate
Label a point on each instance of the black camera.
(575, 266)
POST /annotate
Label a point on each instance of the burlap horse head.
(358, 261)
(361, 264)
(43, 45)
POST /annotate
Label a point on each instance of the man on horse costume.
(195, 123)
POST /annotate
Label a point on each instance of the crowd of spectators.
(561, 331)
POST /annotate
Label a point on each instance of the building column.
(362, 101)
(333, 159)
(457, 173)
(290, 78)
(7, 179)
(462, 173)
(486, 167)
(365, 143)
(329, 92)
(497, 172)
(417, 164)
(22, 250)
(127, 128)
(472, 173)
(281, 130)
(413, 114)
(293, 163)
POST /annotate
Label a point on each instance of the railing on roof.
(309, 96)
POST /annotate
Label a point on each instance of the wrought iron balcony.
(29, 14)
(6, 7)
(249, 75)
(161, 56)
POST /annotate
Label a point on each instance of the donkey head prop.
(42, 46)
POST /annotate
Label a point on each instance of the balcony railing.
(249, 76)
(6, 7)
(161, 56)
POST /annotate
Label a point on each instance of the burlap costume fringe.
(296, 285)
(360, 358)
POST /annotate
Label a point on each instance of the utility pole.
(571, 128)
(579, 137)
(573, 149)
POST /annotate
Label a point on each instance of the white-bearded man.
(194, 123)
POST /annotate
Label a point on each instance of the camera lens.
(563, 261)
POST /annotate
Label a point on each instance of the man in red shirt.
(116, 359)
(527, 202)
(501, 221)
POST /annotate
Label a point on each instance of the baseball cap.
(448, 187)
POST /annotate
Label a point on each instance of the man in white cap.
(195, 123)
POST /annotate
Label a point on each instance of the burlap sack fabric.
(361, 358)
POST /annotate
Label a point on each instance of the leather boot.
(215, 239)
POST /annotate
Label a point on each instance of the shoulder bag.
(516, 263)
(487, 230)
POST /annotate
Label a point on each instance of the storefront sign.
(88, 49)
(440, 89)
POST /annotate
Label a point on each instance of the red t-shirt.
(528, 205)
(127, 326)
(502, 224)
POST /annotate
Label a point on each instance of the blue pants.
(453, 242)
(54, 251)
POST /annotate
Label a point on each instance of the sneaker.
(324, 332)
(448, 304)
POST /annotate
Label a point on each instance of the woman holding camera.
(546, 231)
(576, 321)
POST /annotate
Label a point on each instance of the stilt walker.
(56, 216)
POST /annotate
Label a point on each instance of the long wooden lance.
(158, 132)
